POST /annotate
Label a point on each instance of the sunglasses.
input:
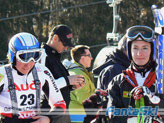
(26, 56)
(89, 55)
(145, 32)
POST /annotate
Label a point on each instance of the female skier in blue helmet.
(135, 88)
(23, 79)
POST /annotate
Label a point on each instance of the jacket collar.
(130, 77)
(81, 66)
(84, 70)
(50, 51)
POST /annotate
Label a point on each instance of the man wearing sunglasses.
(135, 89)
(60, 39)
(82, 59)
(23, 80)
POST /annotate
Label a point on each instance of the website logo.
(146, 110)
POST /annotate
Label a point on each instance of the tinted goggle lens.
(27, 56)
(145, 32)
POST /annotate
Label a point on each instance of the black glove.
(93, 104)
(95, 100)
(91, 108)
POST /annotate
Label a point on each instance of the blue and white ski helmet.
(21, 41)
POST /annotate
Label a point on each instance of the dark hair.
(77, 51)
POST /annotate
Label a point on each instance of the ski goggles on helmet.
(145, 32)
(26, 56)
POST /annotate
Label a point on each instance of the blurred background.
(96, 23)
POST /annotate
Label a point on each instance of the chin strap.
(144, 68)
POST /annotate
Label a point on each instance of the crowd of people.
(35, 86)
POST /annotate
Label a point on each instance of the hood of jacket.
(115, 57)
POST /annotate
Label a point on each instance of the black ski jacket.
(53, 63)
(120, 87)
(116, 61)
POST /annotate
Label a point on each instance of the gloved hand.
(137, 92)
(141, 91)
(89, 104)
(101, 96)
(93, 102)
(102, 92)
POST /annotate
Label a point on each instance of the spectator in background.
(116, 61)
(60, 40)
(82, 58)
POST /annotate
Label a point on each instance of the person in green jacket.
(81, 61)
